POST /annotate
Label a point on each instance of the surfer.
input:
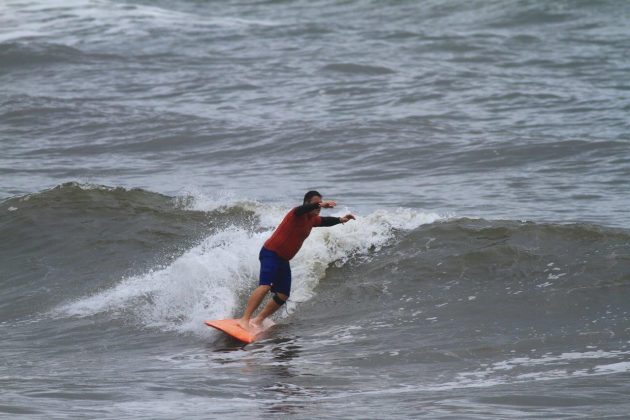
(277, 251)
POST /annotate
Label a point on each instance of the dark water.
(149, 148)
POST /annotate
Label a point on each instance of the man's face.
(314, 200)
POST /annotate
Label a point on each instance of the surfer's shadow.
(274, 361)
(270, 347)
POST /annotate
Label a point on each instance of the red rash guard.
(288, 237)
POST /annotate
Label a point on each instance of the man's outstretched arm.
(329, 221)
(332, 221)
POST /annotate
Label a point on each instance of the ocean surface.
(149, 148)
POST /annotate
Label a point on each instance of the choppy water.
(149, 148)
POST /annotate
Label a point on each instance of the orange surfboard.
(232, 328)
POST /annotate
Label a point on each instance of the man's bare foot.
(244, 323)
(256, 324)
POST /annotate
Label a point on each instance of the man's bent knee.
(280, 298)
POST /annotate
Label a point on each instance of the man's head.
(313, 197)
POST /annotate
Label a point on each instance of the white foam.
(201, 284)
(206, 281)
(562, 358)
(621, 367)
(194, 199)
(544, 368)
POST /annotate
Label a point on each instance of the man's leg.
(253, 302)
(281, 288)
(269, 309)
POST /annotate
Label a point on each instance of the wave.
(211, 279)
(433, 268)
(501, 258)
(78, 237)
(15, 54)
(79, 223)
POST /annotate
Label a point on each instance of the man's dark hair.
(311, 194)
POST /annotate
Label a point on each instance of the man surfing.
(279, 249)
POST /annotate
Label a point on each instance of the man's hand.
(327, 204)
(347, 217)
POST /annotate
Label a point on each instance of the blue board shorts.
(274, 272)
